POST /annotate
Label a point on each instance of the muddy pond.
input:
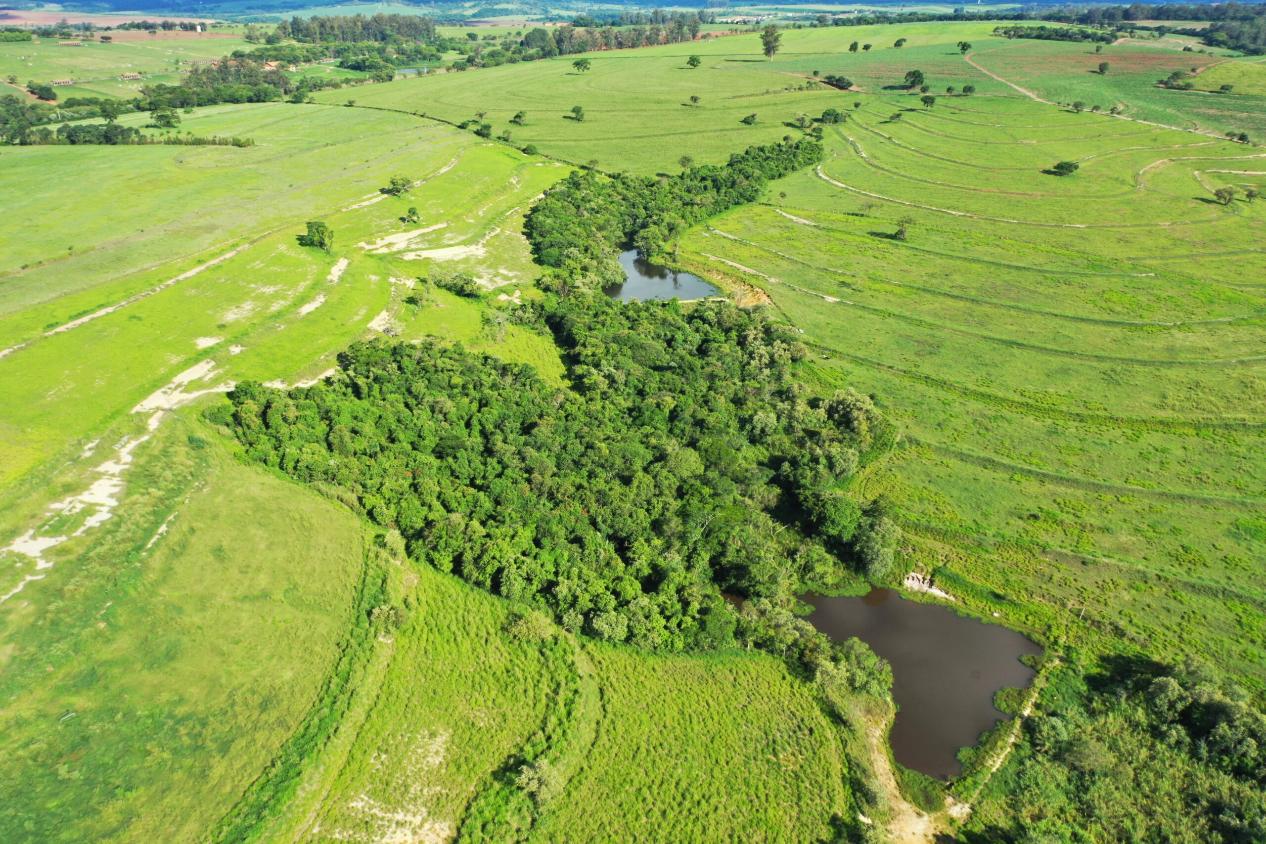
(945, 667)
(644, 280)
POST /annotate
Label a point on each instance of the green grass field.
(1075, 364)
(1076, 379)
(143, 623)
(95, 68)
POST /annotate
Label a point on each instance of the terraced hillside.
(1076, 360)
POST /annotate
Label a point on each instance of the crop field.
(94, 67)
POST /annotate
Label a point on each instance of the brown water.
(945, 670)
(645, 280)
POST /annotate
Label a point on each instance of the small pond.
(651, 281)
(945, 667)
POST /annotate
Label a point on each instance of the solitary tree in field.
(770, 40)
(578, 113)
(1065, 168)
(686, 162)
(852, 48)
(866, 48)
(928, 100)
(396, 185)
(581, 65)
(1098, 48)
(1251, 194)
(694, 99)
(1079, 106)
(319, 235)
(903, 228)
(899, 43)
(750, 120)
(914, 79)
(520, 117)
(964, 47)
(969, 89)
(1103, 68)
(1225, 195)
(693, 62)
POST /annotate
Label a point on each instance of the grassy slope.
(193, 661)
(145, 684)
(95, 67)
(185, 202)
(1053, 382)
(1063, 72)
(654, 772)
(1055, 374)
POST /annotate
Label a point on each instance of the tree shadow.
(745, 60)
(1124, 671)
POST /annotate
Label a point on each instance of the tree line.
(1055, 33)
(112, 134)
(580, 225)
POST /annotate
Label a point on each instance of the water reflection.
(645, 280)
(946, 669)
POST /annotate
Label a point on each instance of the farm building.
(61, 83)
(127, 77)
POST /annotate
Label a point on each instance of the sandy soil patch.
(336, 271)
(312, 306)
(306, 382)
(793, 218)
(917, 582)
(207, 342)
(239, 312)
(454, 253)
(102, 496)
(396, 242)
(381, 323)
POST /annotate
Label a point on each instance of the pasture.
(95, 67)
(195, 654)
(1073, 360)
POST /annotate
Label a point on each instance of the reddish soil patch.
(34, 17)
(1160, 63)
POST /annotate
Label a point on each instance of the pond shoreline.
(947, 667)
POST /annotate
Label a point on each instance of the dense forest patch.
(1133, 750)
(683, 461)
